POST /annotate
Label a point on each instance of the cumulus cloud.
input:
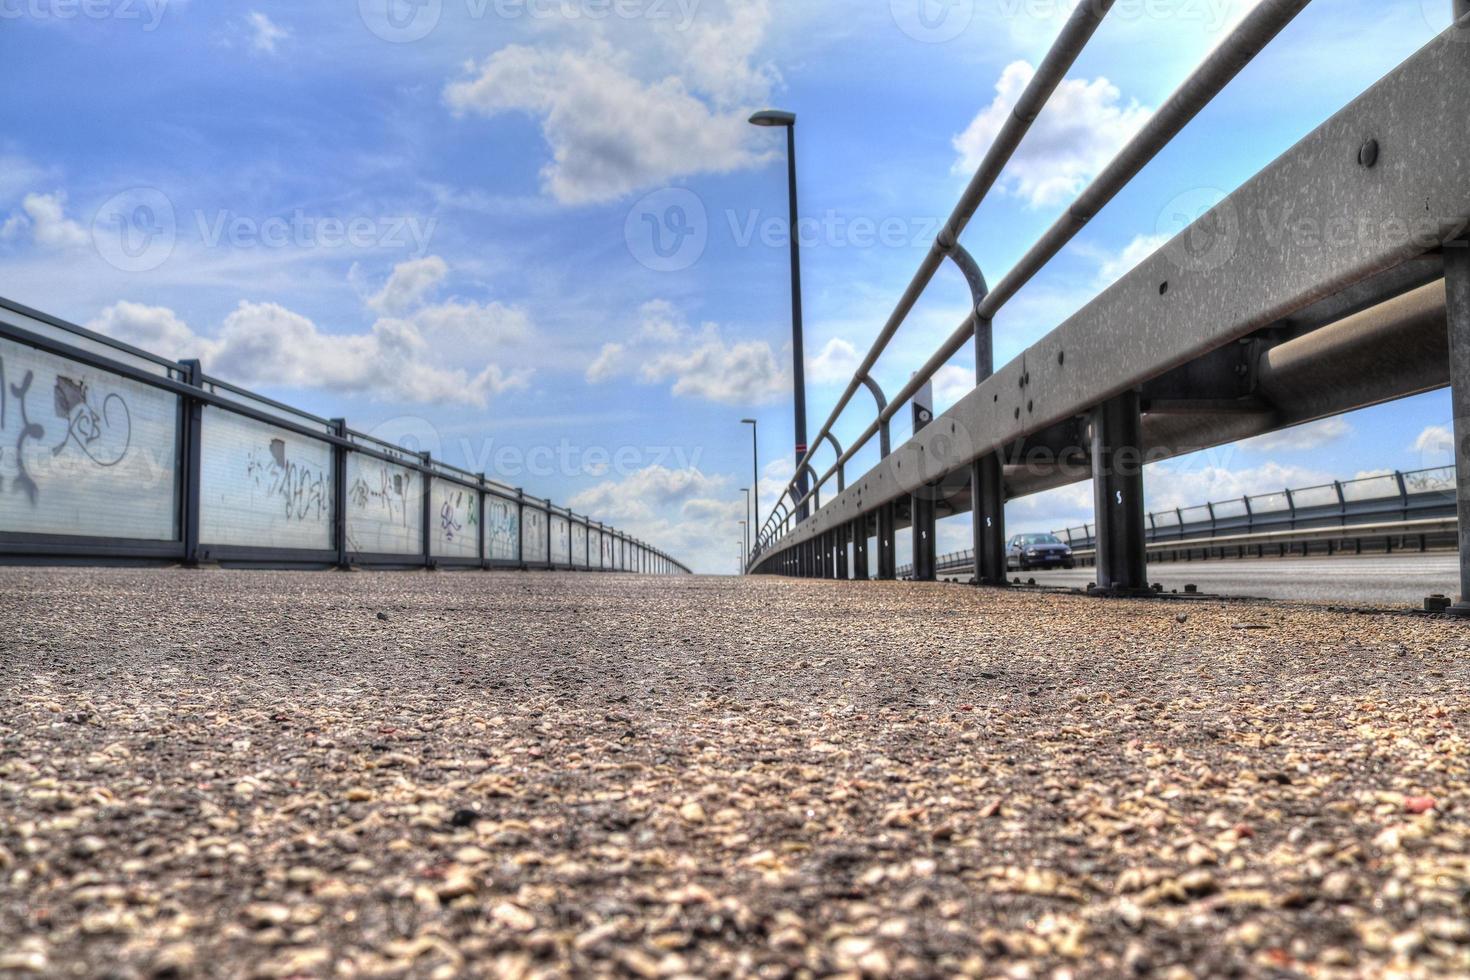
(1114, 266)
(1436, 440)
(834, 364)
(700, 363)
(1313, 435)
(45, 216)
(688, 513)
(1082, 128)
(409, 358)
(618, 120)
(265, 35)
(409, 283)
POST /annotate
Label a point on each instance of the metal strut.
(841, 469)
(884, 443)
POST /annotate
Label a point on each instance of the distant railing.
(109, 452)
(1390, 505)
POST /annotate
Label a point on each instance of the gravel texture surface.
(227, 773)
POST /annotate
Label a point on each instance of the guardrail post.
(1117, 474)
(1457, 308)
(339, 492)
(841, 535)
(988, 513)
(860, 549)
(887, 552)
(428, 510)
(192, 462)
(923, 500)
(521, 528)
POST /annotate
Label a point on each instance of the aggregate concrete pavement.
(229, 773)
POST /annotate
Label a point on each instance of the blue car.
(1028, 551)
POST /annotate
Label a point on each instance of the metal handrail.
(1252, 35)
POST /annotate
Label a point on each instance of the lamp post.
(755, 474)
(750, 528)
(775, 118)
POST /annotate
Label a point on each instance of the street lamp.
(755, 472)
(752, 526)
(774, 117)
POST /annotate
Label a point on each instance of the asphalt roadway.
(1393, 580)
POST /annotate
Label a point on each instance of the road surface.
(1397, 580)
(277, 774)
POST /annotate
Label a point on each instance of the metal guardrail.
(1248, 39)
(1229, 330)
(1397, 505)
(112, 452)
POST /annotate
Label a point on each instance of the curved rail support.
(885, 445)
(841, 469)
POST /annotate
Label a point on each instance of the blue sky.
(436, 222)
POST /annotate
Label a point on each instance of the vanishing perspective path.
(207, 773)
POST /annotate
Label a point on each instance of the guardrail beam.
(1117, 474)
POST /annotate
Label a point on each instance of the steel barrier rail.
(1262, 25)
(1421, 528)
(92, 475)
(1390, 160)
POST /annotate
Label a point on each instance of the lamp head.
(747, 421)
(773, 117)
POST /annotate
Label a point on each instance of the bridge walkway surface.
(293, 774)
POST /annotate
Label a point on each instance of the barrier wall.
(108, 451)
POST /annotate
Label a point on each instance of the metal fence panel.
(561, 540)
(1441, 480)
(263, 486)
(84, 452)
(533, 536)
(1270, 503)
(579, 545)
(502, 529)
(1315, 497)
(594, 547)
(1229, 508)
(385, 514)
(456, 515)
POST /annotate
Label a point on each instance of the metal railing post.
(887, 547)
(484, 551)
(1457, 309)
(428, 510)
(339, 492)
(922, 501)
(860, 549)
(521, 528)
(1117, 474)
(841, 535)
(192, 443)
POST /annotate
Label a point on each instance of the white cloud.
(1077, 134)
(1436, 440)
(1313, 435)
(1191, 482)
(410, 357)
(608, 365)
(45, 215)
(409, 283)
(611, 132)
(700, 363)
(951, 383)
(264, 34)
(834, 364)
(689, 514)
